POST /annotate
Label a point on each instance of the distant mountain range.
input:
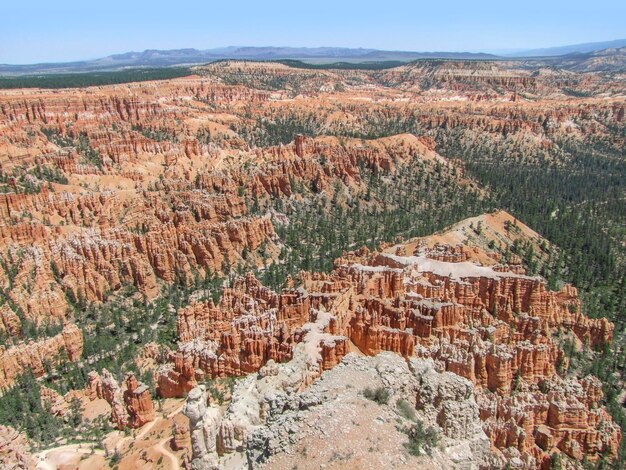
(584, 48)
(180, 57)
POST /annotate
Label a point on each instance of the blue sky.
(45, 30)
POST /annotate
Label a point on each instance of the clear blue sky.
(48, 30)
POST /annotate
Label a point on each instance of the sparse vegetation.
(405, 409)
(89, 155)
(49, 173)
(321, 228)
(379, 395)
(422, 440)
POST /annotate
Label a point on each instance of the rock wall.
(251, 326)
(151, 209)
(158, 182)
(81, 241)
(566, 415)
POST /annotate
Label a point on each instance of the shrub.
(555, 462)
(405, 409)
(116, 457)
(421, 439)
(380, 395)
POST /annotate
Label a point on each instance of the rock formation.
(14, 450)
(566, 416)
(155, 183)
(204, 421)
(54, 401)
(273, 418)
(138, 402)
(34, 355)
(488, 323)
(131, 407)
(182, 436)
(251, 326)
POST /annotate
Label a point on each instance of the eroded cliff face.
(486, 322)
(138, 402)
(167, 212)
(35, 355)
(431, 80)
(251, 326)
(148, 182)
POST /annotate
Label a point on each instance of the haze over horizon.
(36, 31)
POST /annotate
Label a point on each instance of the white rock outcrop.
(279, 419)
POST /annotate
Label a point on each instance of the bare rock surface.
(272, 422)
(14, 450)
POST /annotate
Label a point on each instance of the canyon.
(259, 240)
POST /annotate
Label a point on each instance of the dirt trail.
(160, 447)
(69, 448)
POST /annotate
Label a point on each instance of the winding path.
(160, 447)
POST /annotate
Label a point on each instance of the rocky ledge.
(273, 423)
